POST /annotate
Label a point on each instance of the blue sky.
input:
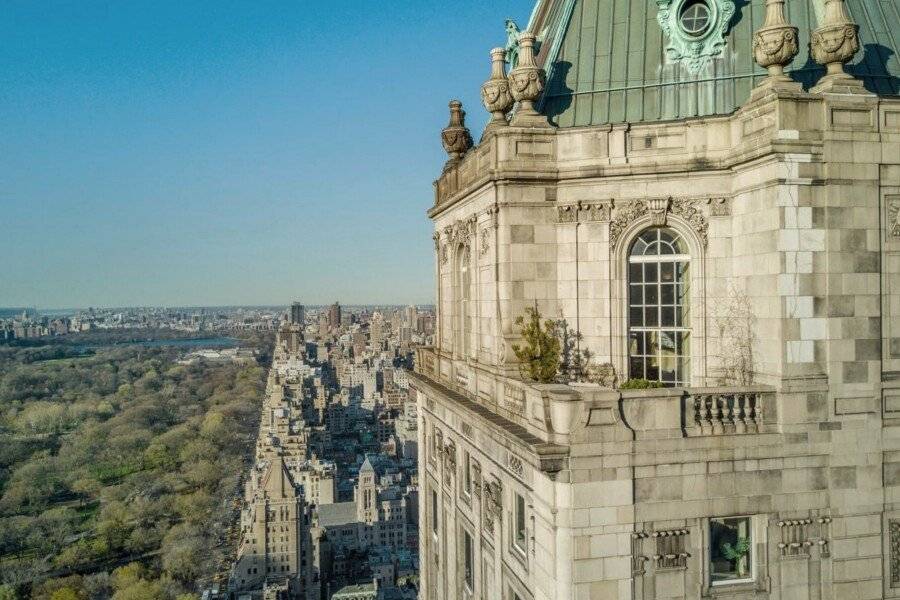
(208, 153)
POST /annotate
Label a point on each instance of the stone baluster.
(717, 417)
(742, 407)
(455, 136)
(697, 421)
(729, 403)
(833, 44)
(526, 82)
(708, 402)
(775, 43)
(495, 94)
(758, 412)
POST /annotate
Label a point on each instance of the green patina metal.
(512, 43)
(607, 60)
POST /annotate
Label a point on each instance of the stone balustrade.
(724, 411)
(553, 412)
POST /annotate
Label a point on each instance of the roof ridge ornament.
(526, 84)
(833, 44)
(455, 137)
(775, 43)
(694, 29)
(495, 93)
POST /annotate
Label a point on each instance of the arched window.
(463, 301)
(659, 332)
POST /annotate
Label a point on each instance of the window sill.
(732, 588)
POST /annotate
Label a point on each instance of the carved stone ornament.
(476, 479)
(659, 210)
(484, 241)
(894, 532)
(449, 461)
(893, 204)
(719, 207)
(694, 38)
(455, 136)
(775, 43)
(584, 211)
(436, 237)
(670, 549)
(492, 506)
(794, 537)
(836, 41)
(515, 465)
(495, 94)
(526, 82)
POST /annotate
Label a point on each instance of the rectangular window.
(434, 512)
(731, 550)
(519, 523)
(469, 561)
(467, 478)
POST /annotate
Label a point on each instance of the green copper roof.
(606, 60)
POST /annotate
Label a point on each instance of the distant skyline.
(225, 153)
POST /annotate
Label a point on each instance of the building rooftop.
(339, 513)
(610, 61)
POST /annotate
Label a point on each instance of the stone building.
(708, 193)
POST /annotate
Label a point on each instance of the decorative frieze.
(719, 207)
(670, 549)
(515, 465)
(582, 212)
(467, 430)
(659, 209)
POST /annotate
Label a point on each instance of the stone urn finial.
(834, 43)
(495, 92)
(526, 83)
(775, 43)
(455, 136)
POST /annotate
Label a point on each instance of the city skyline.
(149, 162)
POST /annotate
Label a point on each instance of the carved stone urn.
(775, 43)
(495, 92)
(455, 136)
(835, 42)
(526, 83)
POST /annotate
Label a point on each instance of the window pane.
(667, 271)
(636, 368)
(667, 293)
(651, 317)
(635, 272)
(651, 272)
(636, 317)
(651, 294)
(635, 295)
(730, 549)
(636, 343)
(667, 316)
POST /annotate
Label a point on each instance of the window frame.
(468, 570)
(647, 293)
(753, 558)
(519, 514)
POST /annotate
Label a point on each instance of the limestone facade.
(784, 425)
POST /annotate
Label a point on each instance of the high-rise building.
(298, 314)
(722, 236)
(334, 316)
